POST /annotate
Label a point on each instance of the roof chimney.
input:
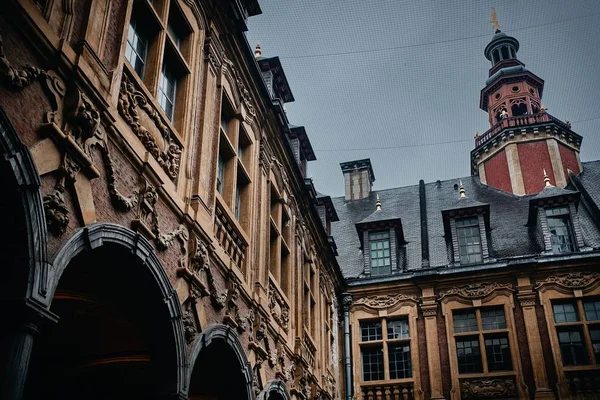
(358, 178)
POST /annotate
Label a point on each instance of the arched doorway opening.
(114, 338)
(274, 390)
(220, 370)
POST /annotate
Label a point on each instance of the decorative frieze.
(384, 301)
(578, 280)
(476, 290)
(17, 78)
(147, 124)
(488, 389)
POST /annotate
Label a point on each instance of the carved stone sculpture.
(131, 101)
(57, 214)
(189, 326)
(570, 281)
(488, 389)
(476, 290)
(383, 301)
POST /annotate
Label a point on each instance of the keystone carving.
(571, 281)
(131, 101)
(488, 389)
(476, 290)
(189, 326)
(278, 308)
(57, 214)
(384, 300)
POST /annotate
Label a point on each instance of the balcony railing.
(392, 391)
(584, 384)
(522, 120)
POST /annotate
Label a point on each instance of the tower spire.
(378, 204)
(546, 179)
(463, 194)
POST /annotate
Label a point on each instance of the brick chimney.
(358, 178)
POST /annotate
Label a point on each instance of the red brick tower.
(523, 139)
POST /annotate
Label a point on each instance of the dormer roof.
(281, 87)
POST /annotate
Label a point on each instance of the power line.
(421, 144)
(408, 46)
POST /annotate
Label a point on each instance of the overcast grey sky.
(390, 80)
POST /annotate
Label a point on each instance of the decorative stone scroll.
(488, 389)
(578, 280)
(476, 290)
(278, 308)
(383, 300)
(131, 102)
(199, 273)
(17, 78)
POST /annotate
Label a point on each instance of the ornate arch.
(97, 235)
(226, 334)
(274, 386)
(27, 183)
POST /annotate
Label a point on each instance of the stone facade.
(205, 259)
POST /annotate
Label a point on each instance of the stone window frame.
(236, 149)
(280, 241)
(163, 50)
(379, 307)
(566, 287)
(485, 254)
(576, 231)
(481, 296)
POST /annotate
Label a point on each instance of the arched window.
(504, 51)
(519, 109)
(512, 53)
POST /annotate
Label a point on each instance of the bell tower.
(523, 139)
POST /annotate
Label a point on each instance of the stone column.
(27, 318)
(527, 299)
(429, 308)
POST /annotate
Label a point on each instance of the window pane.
(370, 331)
(468, 355)
(372, 363)
(166, 91)
(379, 244)
(137, 47)
(560, 233)
(469, 240)
(565, 312)
(498, 353)
(592, 310)
(465, 321)
(493, 318)
(399, 359)
(397, 329)
(220, 168)
(595, 335)
(571, 347)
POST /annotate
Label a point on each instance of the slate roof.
(508, 235)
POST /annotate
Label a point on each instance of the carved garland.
(384, 301)
(578, 280)
(476, 290)
(130, 102)
(277, 307)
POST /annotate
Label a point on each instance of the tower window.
(559, 225)
(504, 51)
(518, 109)
(495, 56)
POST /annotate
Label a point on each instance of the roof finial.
(257, 51)
(463, 195)
(546, 179)
(378, 204)
(494, 20)
(476, 136)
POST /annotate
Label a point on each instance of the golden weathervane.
(494, 20)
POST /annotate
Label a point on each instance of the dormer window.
(469, 240)
(561, 231)
(380, 251)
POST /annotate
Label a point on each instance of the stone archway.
(274, 390)
(120, 333)
(23, 259)
(219, 369)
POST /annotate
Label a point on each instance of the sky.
(399, 81)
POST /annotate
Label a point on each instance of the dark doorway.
(113, 339)
(218, 374)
